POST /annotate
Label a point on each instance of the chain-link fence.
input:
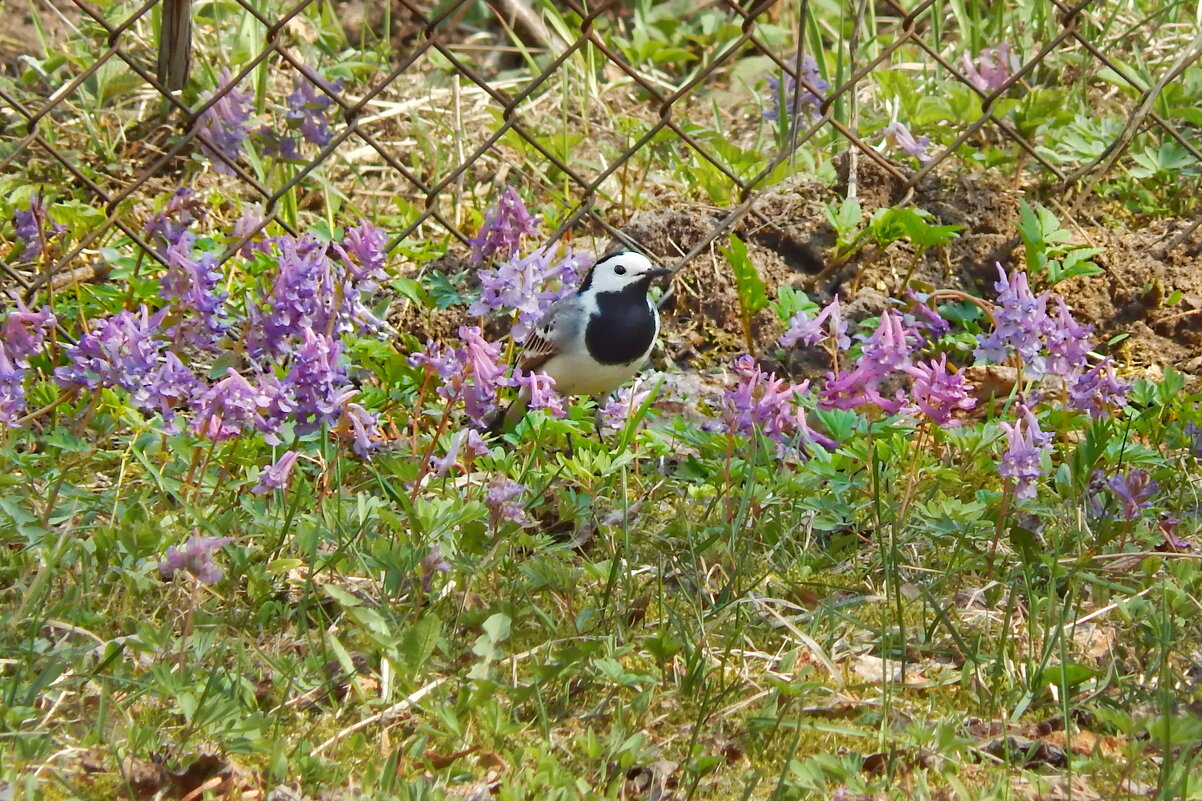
(599, 107)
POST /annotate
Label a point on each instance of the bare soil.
(19, 34)
(790, 241)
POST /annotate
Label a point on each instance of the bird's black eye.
(620, 270)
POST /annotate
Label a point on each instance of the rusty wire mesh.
(449, 112)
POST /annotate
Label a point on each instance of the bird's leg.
(598, 399)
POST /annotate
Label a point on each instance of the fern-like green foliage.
(753, 296)
(1047, 249)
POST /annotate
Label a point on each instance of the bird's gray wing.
(558, 328)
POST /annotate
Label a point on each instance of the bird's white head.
(621, 271)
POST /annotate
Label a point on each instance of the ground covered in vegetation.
(906, 505)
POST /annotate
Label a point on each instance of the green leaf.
(749, 287)
(1030, 230)
(419, 641)
(891, 224)
(1170, 386)
(497, 627)
(408, 288)
(76, 215)
(496, 631)
(344, 598)
(1069, 674)
(846, 220)
(790, 301)
(443, 290)
(1177, 729)
(64, 440)
(753, 295)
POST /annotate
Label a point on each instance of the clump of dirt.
(1134, 293)
(424, 323)
(790, 241)
(986, 206)
(787, 236)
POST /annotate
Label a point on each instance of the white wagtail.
(594, 340)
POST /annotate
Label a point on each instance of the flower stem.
(955, 294)
(425, 462)
(909, 274)
(912, 472)
(416, 417)
(1003, 510)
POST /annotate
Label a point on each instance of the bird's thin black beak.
(658, 272)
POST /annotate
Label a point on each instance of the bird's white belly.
(580, 375)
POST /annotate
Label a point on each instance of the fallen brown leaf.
(439, 761)
(654, 782)
(1087, 743)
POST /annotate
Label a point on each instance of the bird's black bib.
(628, 312)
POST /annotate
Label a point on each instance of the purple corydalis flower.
(25, 332)
(503, 500)
(485, 368)
(362, 257)
(1097, 390)
(365, 428)
(765, 403)
(924, 320)
(231, 407)
(795, 97)
(1020, 319)
(1026, 444)
(1067, 342)
(503, 228)
(618, 408)
(444, 362)
(885, 351)
(167, 387)
(12, 389)
(307, 107)
(433, 563)
(311, 290)
(899, 137)
(856, 388)
(993, 67)
(474, 372)
(276, 476)
(939, 392)
(316, 385)
(888, 348)
(828, 322)
(1133, 491)
(225, 124)
(1172, 542)
(23, 335)
(191, 281)
(365, 245)
(277, 146)
(31, 225)
(528, 286)
(121, 351)
(541, 388)
(196, 558)
(183, 208)
(468, 437)
(302, 297)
